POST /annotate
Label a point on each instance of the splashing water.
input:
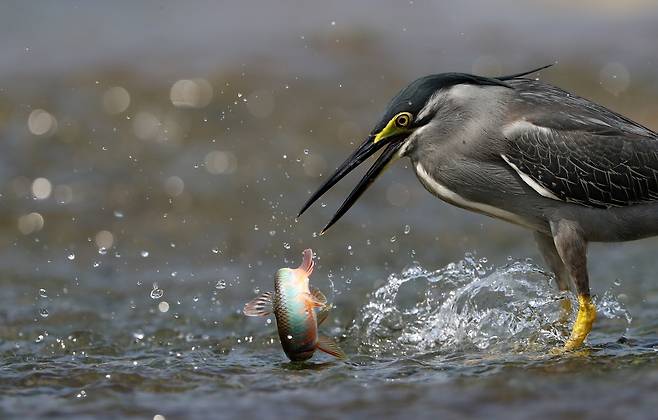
(464, 305)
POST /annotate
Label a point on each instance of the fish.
(293, 303)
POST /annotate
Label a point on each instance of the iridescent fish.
(294, 304)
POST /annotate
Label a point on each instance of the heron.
(527, 152)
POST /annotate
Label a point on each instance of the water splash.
(466, 305)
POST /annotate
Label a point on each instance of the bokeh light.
(104, 239)
(191, 93)
(615, 78)
(146, 126)
(41, 123)
(220, 162)
(116, 100)
(30, 223)
(41, 188)
(174, 186)
(63, 194)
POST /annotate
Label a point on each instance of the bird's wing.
(549, 106)
(595, 163)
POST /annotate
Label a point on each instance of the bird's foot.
(584, 321)
(561, 351)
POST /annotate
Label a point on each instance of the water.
(422, 342)
(137, 219)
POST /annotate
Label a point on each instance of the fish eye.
(402, 120)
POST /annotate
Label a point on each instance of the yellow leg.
(584, 322)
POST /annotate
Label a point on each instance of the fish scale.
(296, 323)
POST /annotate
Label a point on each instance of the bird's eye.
(402, 120)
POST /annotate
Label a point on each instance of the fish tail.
(329, 346)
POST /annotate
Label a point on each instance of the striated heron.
(527, 152)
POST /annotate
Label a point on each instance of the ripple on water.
(464, 306)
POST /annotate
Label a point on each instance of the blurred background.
(153, 156)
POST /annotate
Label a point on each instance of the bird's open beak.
(369, 147)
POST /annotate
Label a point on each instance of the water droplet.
(43, 293)
(306, 151)
(156, 293)
(407, 229)
(44, 313)
(138, 335)
(118, 214)
(71, 257)
(144, 254)
(255, 227)
(289, 337)
(163, 307)
(81, 394)
(195, 298)
(394, 238)
(102, 250)
(286, 245)
(221, 284)
(272, 232)
(215, 250)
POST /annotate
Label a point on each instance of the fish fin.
(307, 263)
(329, 346)
(323, 314)
(260, 306)
(318, 295)
(314, 301)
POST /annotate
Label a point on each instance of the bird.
(527, 152)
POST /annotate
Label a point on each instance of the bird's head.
(416, 106)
